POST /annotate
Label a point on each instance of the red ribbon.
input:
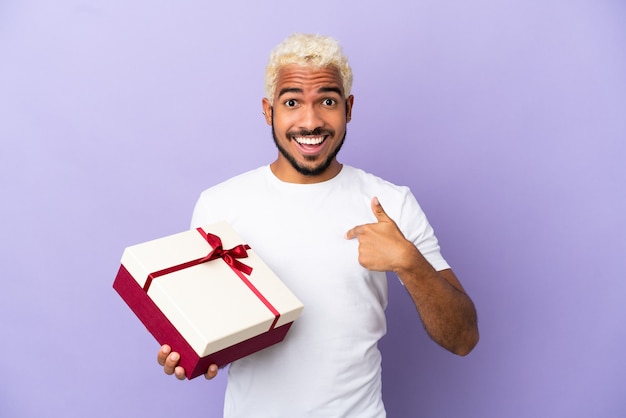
(230, 257)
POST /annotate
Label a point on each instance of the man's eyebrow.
(289, 90)
(330, 90)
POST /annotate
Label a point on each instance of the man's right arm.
(169, 360)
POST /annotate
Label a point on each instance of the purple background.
(507, 120)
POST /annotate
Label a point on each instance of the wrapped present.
(206, 294)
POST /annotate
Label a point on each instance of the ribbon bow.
(229, 256)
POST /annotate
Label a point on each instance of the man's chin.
(311, 170)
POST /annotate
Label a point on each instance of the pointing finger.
(353, 233)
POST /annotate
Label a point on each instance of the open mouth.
(309, 140)
(311, 143)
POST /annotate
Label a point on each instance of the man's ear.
(349, 103)
(267, 111)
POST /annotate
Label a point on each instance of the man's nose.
(311, 118)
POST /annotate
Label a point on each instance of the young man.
(321, 227)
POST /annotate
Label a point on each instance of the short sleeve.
(416, 228)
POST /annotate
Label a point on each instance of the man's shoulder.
(225, 200)
(246, 180)
(358, 175)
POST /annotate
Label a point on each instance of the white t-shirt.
(329, 364)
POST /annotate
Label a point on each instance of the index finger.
(354, 232)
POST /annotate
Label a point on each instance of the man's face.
(308, 120)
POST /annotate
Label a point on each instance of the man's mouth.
(309, 140)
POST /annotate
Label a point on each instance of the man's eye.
(329, 102)
(291, 103)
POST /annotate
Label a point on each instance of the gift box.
(207, 294)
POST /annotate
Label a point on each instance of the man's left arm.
(445, 309)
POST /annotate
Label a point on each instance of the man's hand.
(447, 312)
(169, 360)
(382, 246)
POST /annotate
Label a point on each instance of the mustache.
(314, 132)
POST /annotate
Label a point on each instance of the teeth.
(305, 140)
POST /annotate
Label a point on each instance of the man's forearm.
(446, 311)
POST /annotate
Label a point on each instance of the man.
(321, 227)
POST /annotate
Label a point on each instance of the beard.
(304, 170)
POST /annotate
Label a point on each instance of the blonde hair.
(315, 51)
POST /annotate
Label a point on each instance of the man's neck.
(284, 171)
